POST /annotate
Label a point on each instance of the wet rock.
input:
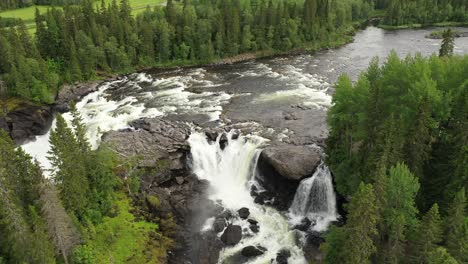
(244, 213)
(232, 235)
(312, 247)
(219, 224)
(292, 162)
(254, 228)
(282, 256)
(223, 141)
(252, 221)
(252, 251)
(211, 135)
(73, 93)
(205, 248)
(290, 116)
(27, 121)
(304, 225)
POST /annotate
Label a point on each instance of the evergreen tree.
(441, 256)
(354, 243)
(457, 228)
(69, 168)
(448, 43)
(428, 235)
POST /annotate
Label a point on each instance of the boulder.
(232, 235)
(252, 221)
(254, 228)
(27, 121)
(292, 162)
(244, 213)
(219, 224)
(252, 251)
(304, 225)
(282, 256)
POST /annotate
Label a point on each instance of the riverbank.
(418, 26)
(32, 114)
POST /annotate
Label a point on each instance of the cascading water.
(231, 172)
(315, 199)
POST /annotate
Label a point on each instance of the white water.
(315, 199)
(231, 173)
(101, 114)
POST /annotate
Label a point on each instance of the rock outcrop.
(292, 162)
(73, 93)
(27, 121)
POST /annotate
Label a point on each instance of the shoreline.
(75, 92)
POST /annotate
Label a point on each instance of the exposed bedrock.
(27, 121)
(160, 148)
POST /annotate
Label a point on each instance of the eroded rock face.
(27, 121)
(291, 161)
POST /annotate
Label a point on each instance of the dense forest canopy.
(398, 150)
(76, 43)
(425, 12)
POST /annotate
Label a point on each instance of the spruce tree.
(440, 256)
(456, 238)
(354, 242)
(428, 235)
(69, 168)
(448, 43)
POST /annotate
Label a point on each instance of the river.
(285, 97)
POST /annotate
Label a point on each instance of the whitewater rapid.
(231, 172)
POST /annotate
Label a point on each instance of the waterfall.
(315, 199)
(230, 172)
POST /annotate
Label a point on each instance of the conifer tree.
(428, 235)
(69, 168)
(448, 43)
(441, 256)
(456, 238)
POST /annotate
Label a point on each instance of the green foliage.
(448, 43)
(77, 42)
(354, 242)
(424, 12)
(121, 238)
(428, 235)
(440, 256)
(457, 228)
(402, 127)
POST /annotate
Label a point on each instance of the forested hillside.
(81, 215)
(398, 150)
(83, 41)
(424, 12)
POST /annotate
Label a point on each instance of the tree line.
(82, 41)
(398, 150)
(425, 12)
(13, 4)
